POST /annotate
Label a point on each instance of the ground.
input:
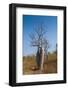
(50, 65)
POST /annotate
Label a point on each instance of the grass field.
(50, 65)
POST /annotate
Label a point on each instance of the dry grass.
(50, 66)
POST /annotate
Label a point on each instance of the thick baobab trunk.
(42, 59)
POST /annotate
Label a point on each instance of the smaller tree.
(55, 49)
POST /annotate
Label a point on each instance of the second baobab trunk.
(42, 59)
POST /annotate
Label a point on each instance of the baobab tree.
(38, 39)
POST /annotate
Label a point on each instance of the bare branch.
(37, 37)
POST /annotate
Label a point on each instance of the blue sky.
(50, 25)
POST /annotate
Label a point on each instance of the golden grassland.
(50, 65)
